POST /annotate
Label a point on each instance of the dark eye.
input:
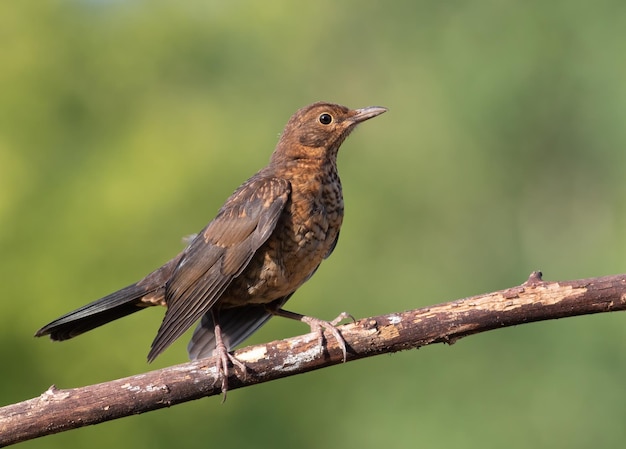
(325, 119)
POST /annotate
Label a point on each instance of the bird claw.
(222, 365)
(342, 316)
(318, 325)
(223, 358)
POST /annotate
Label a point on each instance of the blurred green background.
(125, 124)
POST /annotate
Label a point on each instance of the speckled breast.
(305, 234)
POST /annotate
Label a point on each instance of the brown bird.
(266, 241)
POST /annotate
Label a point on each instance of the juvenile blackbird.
(266, 241)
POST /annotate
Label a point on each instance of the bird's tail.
(149, 291)
(116, 305)
(236, 324)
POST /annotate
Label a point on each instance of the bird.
(268, 239)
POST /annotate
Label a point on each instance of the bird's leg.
(223, 356)
(318, 325)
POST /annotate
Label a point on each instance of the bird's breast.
(304, 235)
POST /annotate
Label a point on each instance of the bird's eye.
(325, 119)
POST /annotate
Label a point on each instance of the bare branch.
(58, 410)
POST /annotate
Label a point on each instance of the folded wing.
(219, 254)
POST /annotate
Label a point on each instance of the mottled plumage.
(267, 240)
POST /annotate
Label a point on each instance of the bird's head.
(318, 130)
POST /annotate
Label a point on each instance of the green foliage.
(124, 125)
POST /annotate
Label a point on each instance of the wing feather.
(219, 254)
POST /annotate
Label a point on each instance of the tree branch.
(59, 410)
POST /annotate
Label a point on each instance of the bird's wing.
(219, 254)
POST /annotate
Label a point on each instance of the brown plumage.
(265, 242)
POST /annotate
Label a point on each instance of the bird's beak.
(367, 113)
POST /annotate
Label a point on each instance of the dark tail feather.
(237, 324)
(116, 305)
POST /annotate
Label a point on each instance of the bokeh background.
(125, 124)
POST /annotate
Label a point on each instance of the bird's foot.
(342, 316)
(318, 325)
(223, 359)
